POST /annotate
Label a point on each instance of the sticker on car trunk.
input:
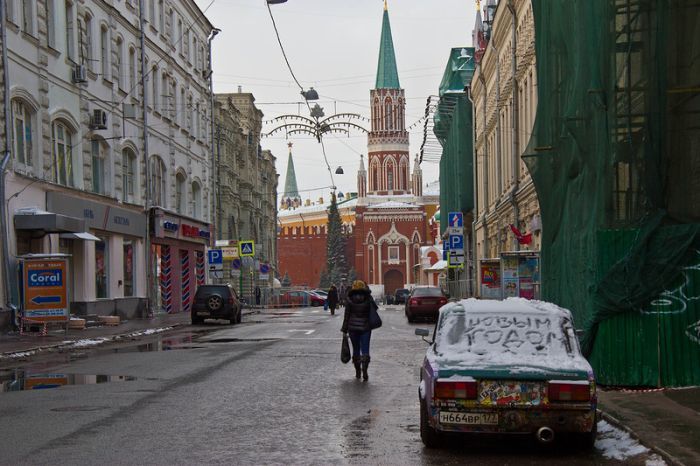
(510, 393)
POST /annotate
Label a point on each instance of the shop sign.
(44, 289)
(98, 215)
(194, 232)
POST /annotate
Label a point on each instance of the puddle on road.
(15, 380)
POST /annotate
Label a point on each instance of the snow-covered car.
(507, 367)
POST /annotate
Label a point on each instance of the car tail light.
(230, 300)
(443, 301)
(451, 390)
(414, 301)
(569, 391)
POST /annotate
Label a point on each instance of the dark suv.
(400, 296)
(216, 302)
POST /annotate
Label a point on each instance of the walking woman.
(356, 322)
(332, 299)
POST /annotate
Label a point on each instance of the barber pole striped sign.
(199, 267)
(166, 279)
(185, 275)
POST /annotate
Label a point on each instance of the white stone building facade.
(110, 127)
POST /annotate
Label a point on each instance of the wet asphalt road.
(269, 391)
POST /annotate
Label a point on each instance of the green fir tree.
(337, 268)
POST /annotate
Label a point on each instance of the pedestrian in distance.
(358, 304)
(332, 299)
(257, 295)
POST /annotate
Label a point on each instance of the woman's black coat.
(357, 307)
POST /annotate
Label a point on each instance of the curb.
(670, 459)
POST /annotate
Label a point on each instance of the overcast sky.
(333, 46)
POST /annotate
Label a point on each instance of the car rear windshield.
(402, 291)
(498, 337)
(209, 290)
(427, 292)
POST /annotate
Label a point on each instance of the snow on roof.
(392, 205)
(316, 208)
(439, 265)
(518, 333)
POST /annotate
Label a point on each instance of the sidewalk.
(666, 420)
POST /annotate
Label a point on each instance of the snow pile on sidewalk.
(617, 444)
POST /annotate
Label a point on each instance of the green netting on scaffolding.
(453, 129)
(615, 158)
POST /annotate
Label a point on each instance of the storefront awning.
(85, 236)
(48, 222)
(439, 265)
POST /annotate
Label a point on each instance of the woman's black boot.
(365, 364)
(356, 363)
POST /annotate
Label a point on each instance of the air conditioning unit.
(79, 74)
(98, 119)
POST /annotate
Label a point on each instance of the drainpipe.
(214, 171)
(487, 200)
(499, 178)
(150, 279)
(6, 266)
(514, 121)
(475, 175)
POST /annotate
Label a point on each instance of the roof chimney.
(240, 89)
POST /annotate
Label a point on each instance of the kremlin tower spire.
(387, 147)
(290, 197)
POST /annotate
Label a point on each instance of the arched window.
(181, 110)
(403, 174)
(152, 12)
(62, 148)
(180, 193)
(128, 172)
(400, 114)
(161, 17)
(387, 114)
(98, 152)
(158, 181)
(22, 144)
(50, 11)
(375, 176)
(196, 200)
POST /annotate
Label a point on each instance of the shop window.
(128, 247)
(101, 267)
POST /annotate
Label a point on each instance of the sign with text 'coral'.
(44, 289)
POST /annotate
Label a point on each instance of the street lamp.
(339, 170)
(311, 94)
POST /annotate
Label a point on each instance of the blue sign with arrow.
(46, 299)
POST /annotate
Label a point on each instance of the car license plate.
(449, 417)
(202, 313)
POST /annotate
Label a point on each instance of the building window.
(88, 43)
(161, 17)
(152, 12)
(62, 154)
(177, 40)
(128, 170)
(70, 31)
(180, 194)
(181, 111)
(101, 267)
(22, 143)
(119, 78)
(390, 177)
(154, 83)
(387, 114)
(97, 150)
(128, 250)
(50, 23)
(196, 200)
(132, 69)
(157, 181)
(393, 252)
(27, 16)
(104, 51)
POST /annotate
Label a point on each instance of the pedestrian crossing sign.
(246, 248)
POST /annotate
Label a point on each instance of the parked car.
(400, 296)
(321, 293)
(216, 302)
(509, 367)
(295, 298)
(424, 302)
